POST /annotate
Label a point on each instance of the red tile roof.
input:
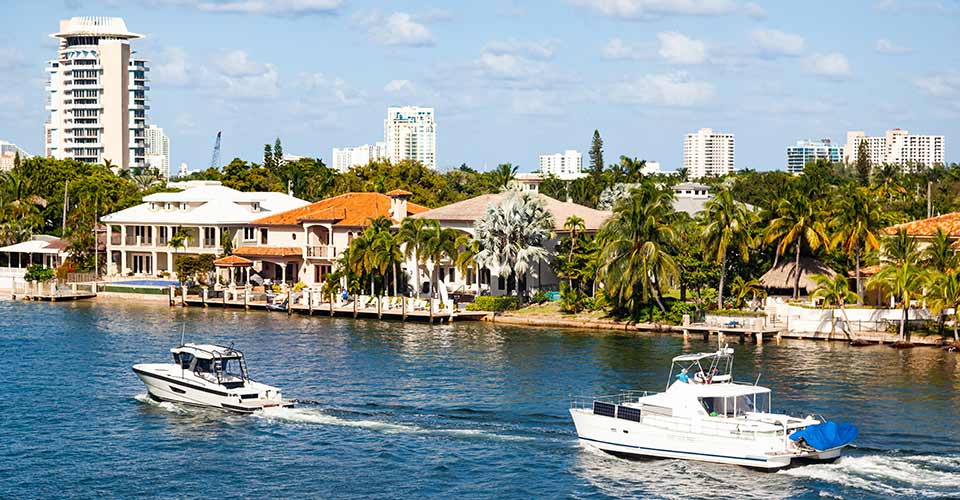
(351, 209)
(268, 251)
(399, 192)
(927, 227)
(232, 261)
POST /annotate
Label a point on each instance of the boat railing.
(614, 399)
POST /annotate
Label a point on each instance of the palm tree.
(903, 281)
(502, 175)
(797, 221)
(362, 258)
(834, 291)
(726, 225)
(511, 235)
(943, 292)
(939, 255)
(573, 225)
(178, 240)
(412, 235)
(468, 247)
(633, 255)
(858, 216)
(900, 248)
(386, 245)
(439, 242)
(741, 289)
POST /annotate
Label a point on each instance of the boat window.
(204, 366)
(185, 359)
(230, 367)
(731, 406)
(176, 358)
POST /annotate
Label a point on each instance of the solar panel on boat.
(627, 413)
(605, 409)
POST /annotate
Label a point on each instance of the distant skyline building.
(96, 94)
(183, 171)
(708, 153)
(8, 155)
(158, 150)
(807, 151)
(566, 166)
(651, 168)
(346, 158)
(896, 147)
(410, 133)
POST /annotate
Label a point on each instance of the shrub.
(540, 297)
(572, 300)
(299, 286)
(36, 272)
(494, 304)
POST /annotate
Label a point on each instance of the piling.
(289, 302)
(203, 296)
(172, 294)
(403, 304)
(379, 308)
(246, 299)
(183, 296)
(310, 302)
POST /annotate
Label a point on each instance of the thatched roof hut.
(780, 278)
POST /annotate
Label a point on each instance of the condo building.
(346, 158)
(565, 166)
(8, 155)
(708, 153)
(158, 151)
(96, 94)
(897, 147)
(410, 133)
(807, 151)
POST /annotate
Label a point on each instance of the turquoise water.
(413, 411)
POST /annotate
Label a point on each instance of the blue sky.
(510, 79)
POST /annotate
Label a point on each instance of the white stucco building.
(896, 147)
(346, 158)
(566, 166)
(158, 150)
(138, 238)
(708, 153)
(96, 94)
(8, 155)
(410, 133)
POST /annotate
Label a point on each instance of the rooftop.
(209, 204)
(925, 228)
(350, 209)
(473, 209)
(94, 26)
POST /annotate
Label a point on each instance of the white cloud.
(946, 85)
(678, 48)
(645, 9)
(329, 91)
(773, 42)
(617, 49)
(670, 89)
(172, 68)
(754, 10)
(542, 50)
(272, 7)
(266, 84)
(915, 7)
(396, 29)
(237, 63)
(398, 86)
(885, 46)
(833, 65)
(536, 103)
(505, 66)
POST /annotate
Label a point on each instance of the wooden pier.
(743, 332)
(51, 292)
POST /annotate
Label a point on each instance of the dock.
(51, 292)
(757, 333)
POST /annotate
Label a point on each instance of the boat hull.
(164, 385)
(634, 439)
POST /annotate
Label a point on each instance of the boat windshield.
(736, 406)
(230, 368)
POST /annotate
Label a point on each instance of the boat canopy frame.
(720, 369)
(213, 353)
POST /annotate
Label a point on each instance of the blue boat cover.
(827, 435)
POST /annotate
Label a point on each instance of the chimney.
(398, 204)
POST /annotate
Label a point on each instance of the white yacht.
(705, 415)
(208, 375)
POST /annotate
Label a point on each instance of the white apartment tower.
(411, 134)
(346, 158)
(565, 166)
(896, 147)
(158, 150)
(97, 94)
(708, 153)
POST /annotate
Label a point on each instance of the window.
(501, 283)
(249, 234)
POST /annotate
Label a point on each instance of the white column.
(216, 237)
(123, 261)
(170, 263)
(154, 233)
(110, 268)
(153, 262)
(123, 235)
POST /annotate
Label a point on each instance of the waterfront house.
(139, 238)
(303, 244)
(462, 216)
(41, 249)
(924, 230)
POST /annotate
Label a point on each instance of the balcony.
(323, 252)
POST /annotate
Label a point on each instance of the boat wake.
(917, 476)
(171, 407)
(319, 417)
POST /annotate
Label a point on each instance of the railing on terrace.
(81, 277)
(322, 251)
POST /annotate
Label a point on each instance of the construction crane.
(215, 160)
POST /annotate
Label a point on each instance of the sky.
(511, 80)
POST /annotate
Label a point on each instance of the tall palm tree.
(633, 247)
(741, 289)
(939, 255)
(900, 248)
(389, 254)
(573, 225)
(727, 225)
(362, 258)
(502, 175)
(902, 280)
(466, 260)
(797, 222)
(511, 235)
(179, 239)
(834, 291)
(943, 292)
(411, 235)
(439, 242)
(857, 218)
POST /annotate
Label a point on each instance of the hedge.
(495, 304)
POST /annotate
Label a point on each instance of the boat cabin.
(218, 364)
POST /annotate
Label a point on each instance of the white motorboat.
(208, 375)
(705, 415)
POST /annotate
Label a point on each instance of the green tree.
(835, 292)
(226, 242)
(742, 290)
(903, 281)
(726, 225)
(596, 156)
(856, 221)
(939, 255)
(574, 225)
(943, 293)
(277, 154)
(862, 164)
(503, 175)
(797, 221)
(268, 156)
(412, 235)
